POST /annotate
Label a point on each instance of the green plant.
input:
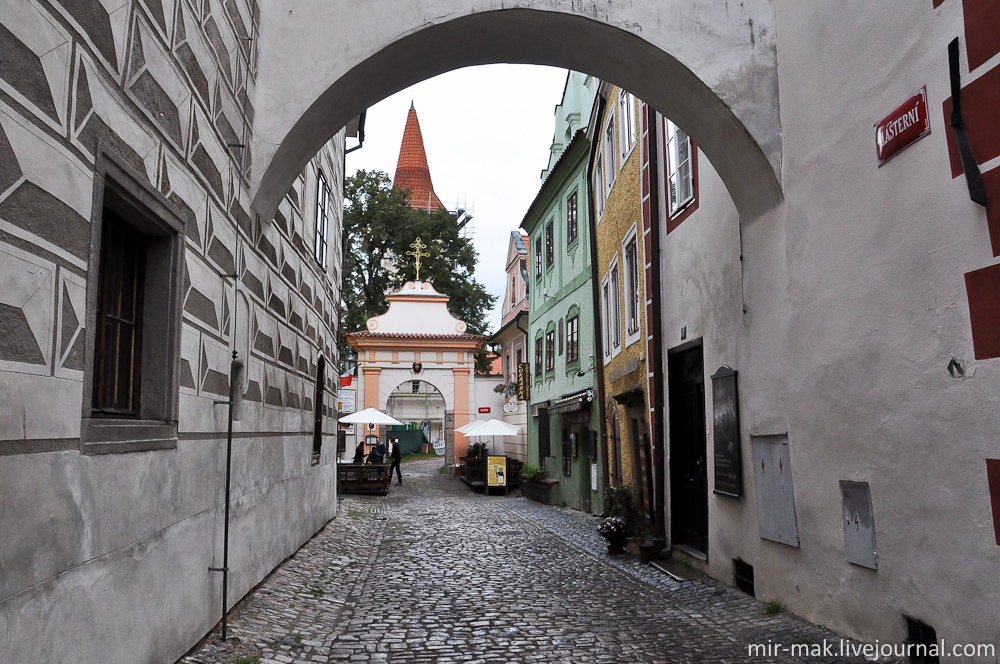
(613, 529)
(773, 607)
(683, 562)
(562, 504)
(477, 450)
(506, 389)
(245, 660)
(353, 514)
(618, 501)
(530, 471)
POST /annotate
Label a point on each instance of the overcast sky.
(487, 132)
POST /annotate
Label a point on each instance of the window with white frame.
(550, 246)
(571, 226)
(599, 188)
(573, 339)
(606, 317)
(616, 312)
(680, 175)
(626, 121)
(630, 251)
(610, 171)
(538, 257)
(322, 219)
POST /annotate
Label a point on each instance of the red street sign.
(484, 409)
(903, 127)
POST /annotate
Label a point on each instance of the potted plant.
(619, 502)
(534, 486)
(614, 530)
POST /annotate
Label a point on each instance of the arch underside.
(734, 117)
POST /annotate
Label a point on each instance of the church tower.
(412, 171)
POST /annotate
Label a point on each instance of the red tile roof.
(412, 171)
(365, 334)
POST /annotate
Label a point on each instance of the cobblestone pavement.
(434, 573)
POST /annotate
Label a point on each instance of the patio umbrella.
(470, 426)
(493, 427)
(369, 416)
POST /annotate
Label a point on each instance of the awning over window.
(573, 402)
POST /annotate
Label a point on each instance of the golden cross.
(418, 253)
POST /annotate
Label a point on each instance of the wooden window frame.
(121, 190)
(573, 339)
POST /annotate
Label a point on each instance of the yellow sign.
(496, 471)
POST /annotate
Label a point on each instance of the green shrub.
(530, 471)
(618, 501)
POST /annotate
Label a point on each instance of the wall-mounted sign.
(622, 370)
(484, 409)
(523, 381)
(903, 127)
(510, 407)
(346, 403)
(726, 414)
(496, 471)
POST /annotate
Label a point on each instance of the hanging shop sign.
(726, 414)
(496, 470)
(523, 381)
(903, 127)
(510, 407)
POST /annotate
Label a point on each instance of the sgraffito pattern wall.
(168, 86)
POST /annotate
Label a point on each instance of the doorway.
(688, 466)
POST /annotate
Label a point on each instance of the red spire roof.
(412, 171)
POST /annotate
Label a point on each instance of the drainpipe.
(596, 293)
(655, 328)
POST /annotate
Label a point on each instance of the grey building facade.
(131, 270)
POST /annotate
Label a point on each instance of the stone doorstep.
(676, 571)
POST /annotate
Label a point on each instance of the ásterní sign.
(903, 127)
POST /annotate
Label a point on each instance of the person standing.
(397, 457)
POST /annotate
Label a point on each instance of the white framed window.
(599, 186)
(610, 170)
(538, 258)
(322, 219)
(626, 122)
(680, 174)
(616, 311)
(606, 317)
(633, 286)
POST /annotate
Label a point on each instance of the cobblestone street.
(434, 573)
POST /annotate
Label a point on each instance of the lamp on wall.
(583, 372)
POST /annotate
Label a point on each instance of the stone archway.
(420, 400)
(711, 68)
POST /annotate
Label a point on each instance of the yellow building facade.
(621, 259)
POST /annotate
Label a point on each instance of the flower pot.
(633, 545)
(615, 549)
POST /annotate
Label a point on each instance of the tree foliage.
(379, 227)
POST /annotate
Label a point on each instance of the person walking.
(397, 457)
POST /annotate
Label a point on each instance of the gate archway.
(711, 68)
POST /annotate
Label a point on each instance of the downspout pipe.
(596, 294)
(655, 327)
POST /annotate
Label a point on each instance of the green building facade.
(563, 418)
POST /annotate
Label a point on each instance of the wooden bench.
(363, 478)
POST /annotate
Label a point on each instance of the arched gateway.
(710, 67)
(419, 340)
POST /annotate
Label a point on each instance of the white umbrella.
(369, 416)
(493, 427)
(470, 426)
